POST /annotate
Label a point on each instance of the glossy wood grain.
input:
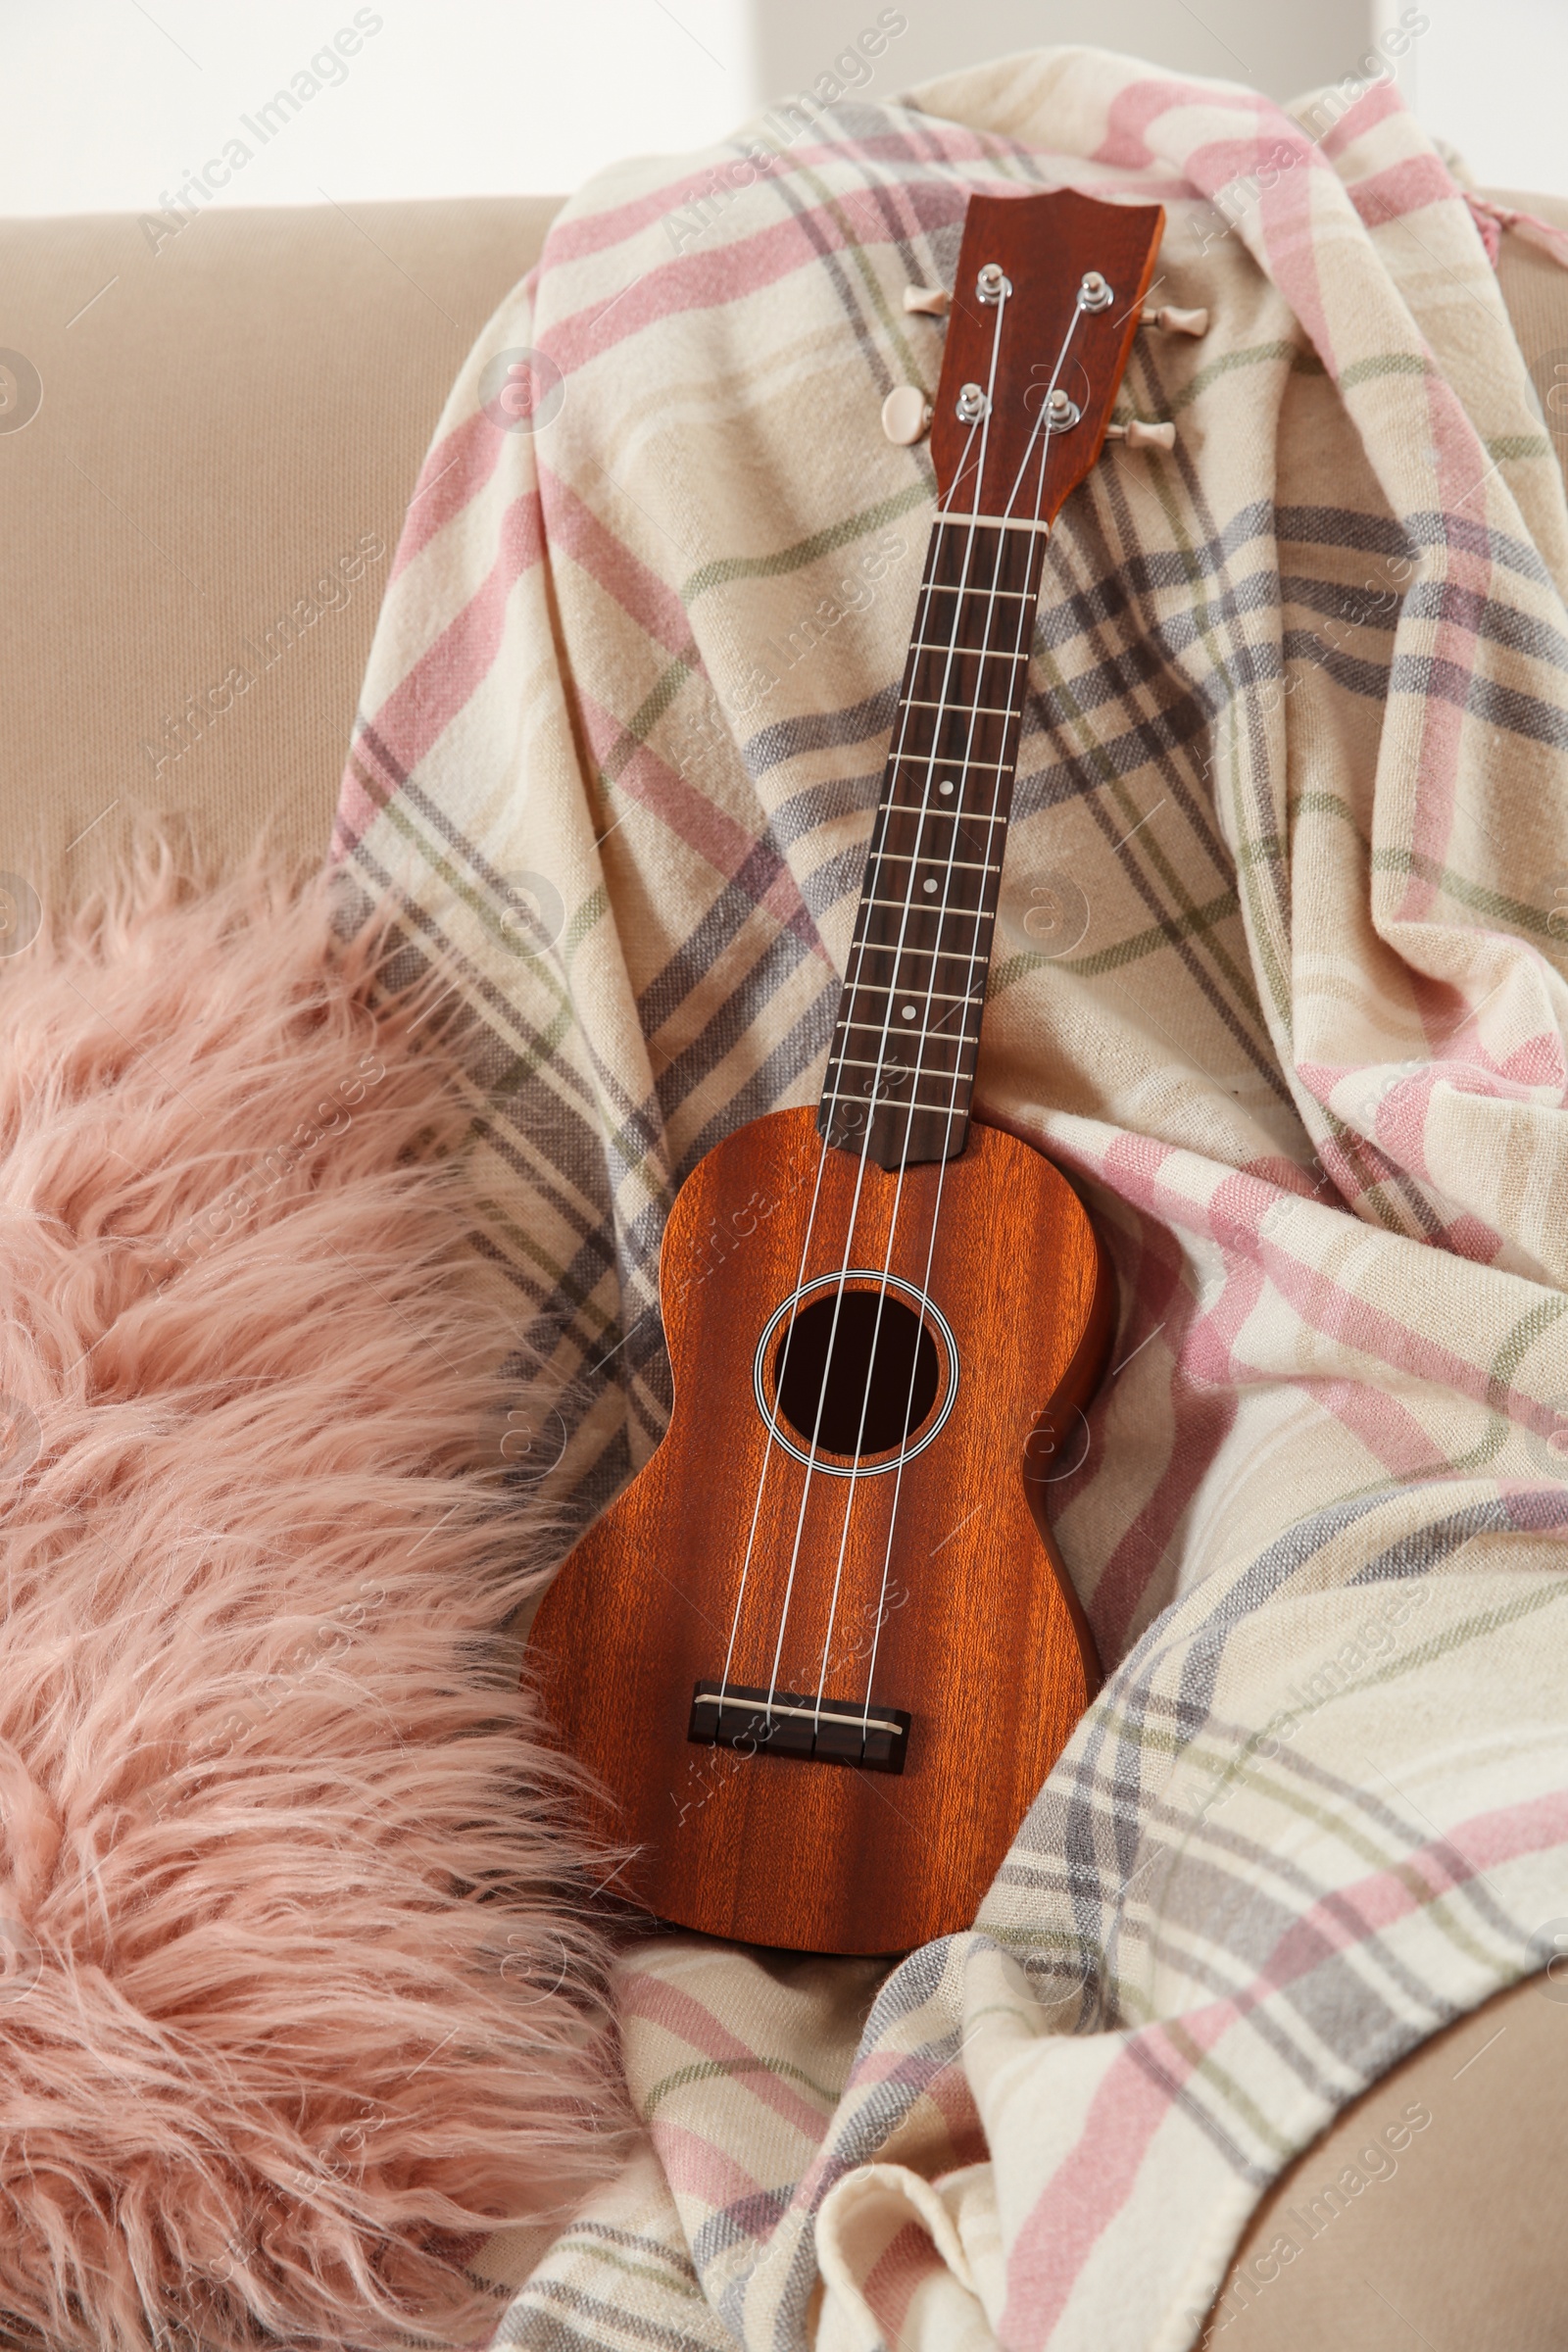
(1044, 244)
(975, 1629)
(919, 1581)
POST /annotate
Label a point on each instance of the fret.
(910, 947)
(946, 1078)
(948, 865)
(948, 768)
(966, 662)
(950, 705)
(955, 1101)
(981, 822)
(915, 702)
(950, 804)
(901, 1082)
(951, 742)
(897, 1041)
(952, 735)
(977, 628)
(953, 754)
(956, 696)
(1011, 582)
(976, 620)
(981, 819)
(1013, 596)
(960, 1001)
(1004, 558)
(953, 809)
(894, 1034)
(899, 987)
(965, 680)
(881, 1024)
(934, 907)
(994, 652)
(998, 522)
(902, 1048)
(952, 1093)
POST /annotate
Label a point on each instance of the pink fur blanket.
(293, 1998)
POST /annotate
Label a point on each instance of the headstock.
(1049, 295)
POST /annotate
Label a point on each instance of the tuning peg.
(935, 301)
(1139, 435)
(905, 414)
(1177, 323)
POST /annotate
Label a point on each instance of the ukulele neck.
(901, 1069)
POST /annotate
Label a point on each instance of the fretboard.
(900, 1070)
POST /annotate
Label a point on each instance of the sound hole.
(873, 1380)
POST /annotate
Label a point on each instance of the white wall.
(103, 103)
(1494, 82)
(1281, 46)
(107, 104)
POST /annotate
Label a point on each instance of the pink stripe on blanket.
(753, 865)
(457, 470)
(1402, 1115)
(454, 472)
(1465, 474)
(576, 236)
(1097, 2176)
(1233, 1216)
(422, 705)
(1091, 2186)
(1439, 1867)
(707, 280)
(1375, 105)
(663, 2004)
(1282, 215)
(1135, 109)
(1325, 1306)
(904, 2264)
(1409, 186)
(575, 531)
(1390, 1430)
(698, 2168)
(1119, 1606)
(1202, 1419)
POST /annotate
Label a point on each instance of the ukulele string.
(927, 1027)
(885, 1037)
(833, 1107)
(1026, 620)
(772, 1431)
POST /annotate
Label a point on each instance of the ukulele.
(820, 1655)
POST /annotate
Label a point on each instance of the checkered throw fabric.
(1279, 978)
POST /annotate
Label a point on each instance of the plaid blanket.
(1280, 979)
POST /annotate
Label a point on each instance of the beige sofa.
(207, 445)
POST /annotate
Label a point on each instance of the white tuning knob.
(905, 414)
(933, 300)
(1139, 435)
(1177, 323)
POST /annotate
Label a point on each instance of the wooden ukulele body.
(917, 1577)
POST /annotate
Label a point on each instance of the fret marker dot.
(944, 789)
(909, 1012)
(928, 886)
